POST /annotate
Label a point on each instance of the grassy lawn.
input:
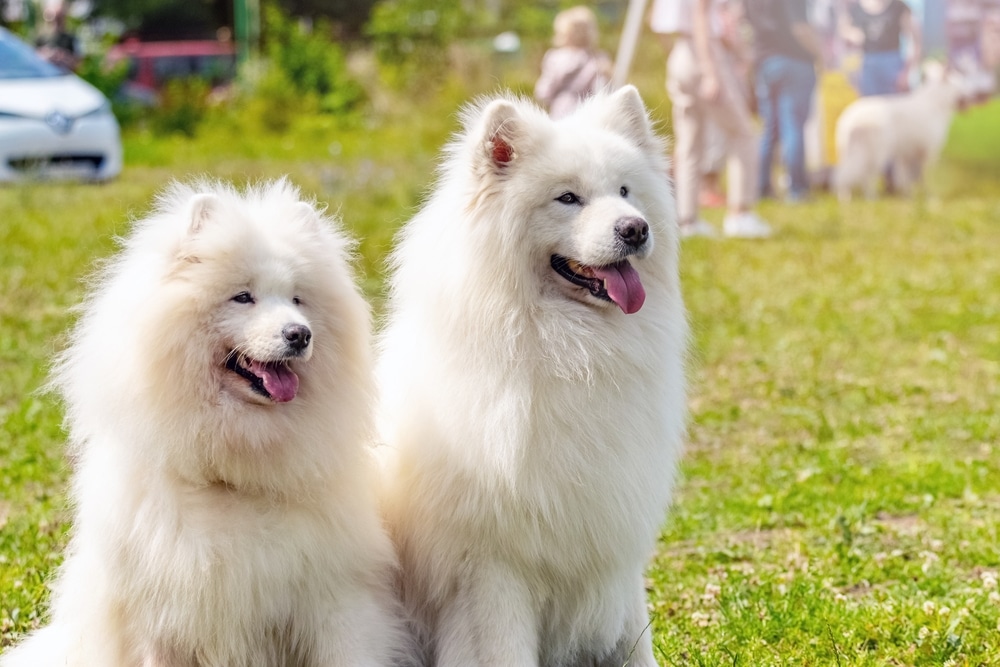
(841, 492)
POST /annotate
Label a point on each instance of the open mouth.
(271, 379)
(618, 283)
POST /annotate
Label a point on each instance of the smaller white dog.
(218, 390)
(903, 132)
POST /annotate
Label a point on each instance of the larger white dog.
(904, 133)
(532, 378)
(218, 390)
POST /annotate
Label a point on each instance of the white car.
(53, 124)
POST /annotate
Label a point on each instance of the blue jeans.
(784, 88)
(880, 72)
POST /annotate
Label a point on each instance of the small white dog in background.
(904, 133)
(532, 383)
(218, 389)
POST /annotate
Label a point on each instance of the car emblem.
(59, 123)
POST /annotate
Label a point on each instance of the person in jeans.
(787, 51)
(876, 26)
(702, 85)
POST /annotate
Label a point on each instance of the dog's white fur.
(214, 527)
(531, 430)
(904, 133)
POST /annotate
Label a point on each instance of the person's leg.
(868, 80)
(889, 69)
(731, 115)
(767, 110)
(795, 98)
(682, 86)
(880, 72)
(713, 159)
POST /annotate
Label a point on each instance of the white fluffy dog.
(218, 390)
(533, 392)
(904, 133)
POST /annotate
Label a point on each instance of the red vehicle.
(152, 64)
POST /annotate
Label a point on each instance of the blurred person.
(704, 86)
(788, 49)
(55, 42)
(878, 28)
(713, 161)
(729, 18)
(575, 68)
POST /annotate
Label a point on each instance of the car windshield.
(19, 61)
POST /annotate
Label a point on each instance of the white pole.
(629, 38)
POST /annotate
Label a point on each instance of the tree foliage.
(312, 62)
(416, 34)
(169, 19)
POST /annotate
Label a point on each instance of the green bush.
(533, 22)
(267, 99)
(183, 105)
(408, 35)
(107, 78)
(310, 61)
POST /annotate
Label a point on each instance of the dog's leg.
(904, 175)
(635, 647)
(365, 628)
(840, 183)
(166, 659)
(870, 187)
(490, 622)
(920, 165)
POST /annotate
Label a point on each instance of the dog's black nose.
(297, 336)
(632, 231)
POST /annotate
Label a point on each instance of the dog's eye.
(568, 198)
(243, 297)
(623, 192)
(297, 301)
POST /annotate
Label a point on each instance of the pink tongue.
(623, 286)
(281, 383)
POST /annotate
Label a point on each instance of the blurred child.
(575, 68)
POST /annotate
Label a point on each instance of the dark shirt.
(58, 40)
(881, 30)
(772, 22)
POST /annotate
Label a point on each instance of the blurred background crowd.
(756, 84)
(166, 64)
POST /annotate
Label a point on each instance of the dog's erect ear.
(934, 71)
(502, 125)
(307, 213)
(304, 210)
(201, 208)
(626, 114)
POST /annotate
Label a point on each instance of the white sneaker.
(745, 226)
(697, 227)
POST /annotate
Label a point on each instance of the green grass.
(841, 478)
(841, 490)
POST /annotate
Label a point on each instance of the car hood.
(69, 95)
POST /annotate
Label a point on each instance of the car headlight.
(105, 108)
